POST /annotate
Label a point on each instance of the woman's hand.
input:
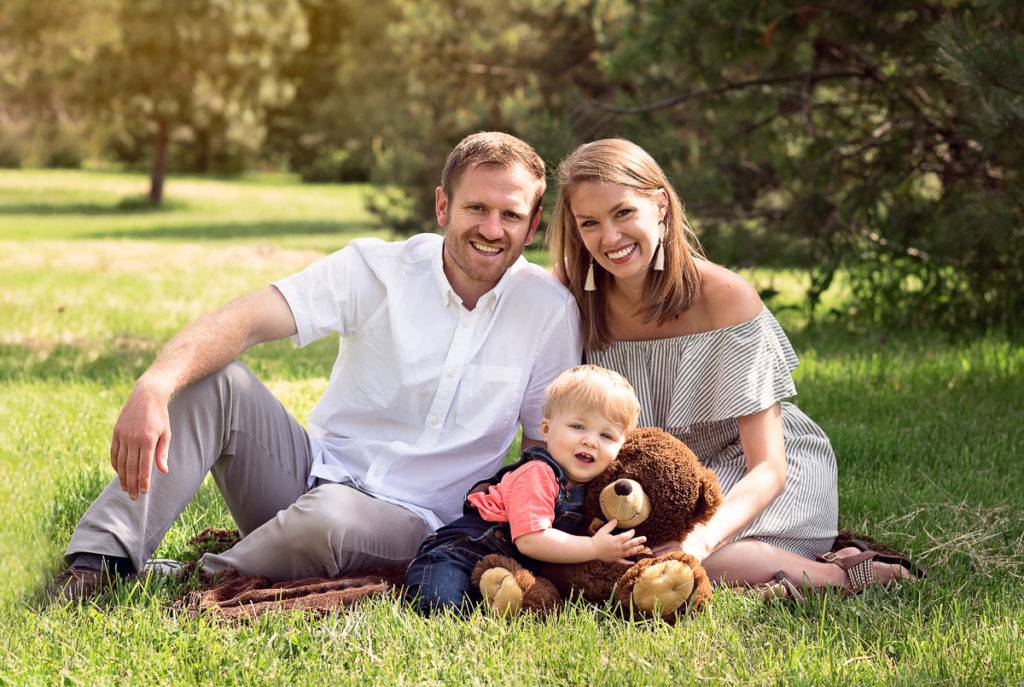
(697, 549)
(667, 547)
(695, 544)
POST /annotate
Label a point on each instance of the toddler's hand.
(616, 548)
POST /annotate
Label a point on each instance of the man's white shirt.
(425, 396)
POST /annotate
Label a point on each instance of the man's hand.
(616, 548)
(142, 435)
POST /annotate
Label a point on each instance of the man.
(447, 345)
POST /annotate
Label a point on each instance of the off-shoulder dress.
(695, 386)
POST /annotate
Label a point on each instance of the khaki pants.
(230, 425)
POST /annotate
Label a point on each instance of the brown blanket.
(233, 596)
(242, 597)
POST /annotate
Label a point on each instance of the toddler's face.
(582, 441)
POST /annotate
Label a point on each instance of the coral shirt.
(524, 498)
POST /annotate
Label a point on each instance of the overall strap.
(533, 453)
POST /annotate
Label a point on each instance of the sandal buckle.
(830, 557)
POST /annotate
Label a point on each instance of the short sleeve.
(731, 372)
(337, 293)
(530, 494)
(709, 376)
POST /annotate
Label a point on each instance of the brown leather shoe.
(76, 585)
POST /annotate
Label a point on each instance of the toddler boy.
(528, 510)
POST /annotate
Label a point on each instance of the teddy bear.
(657, 487)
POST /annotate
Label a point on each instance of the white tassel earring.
(659, 259)
(590, 285)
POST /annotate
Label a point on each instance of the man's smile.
(484, 248)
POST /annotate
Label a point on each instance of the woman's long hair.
(666, 293)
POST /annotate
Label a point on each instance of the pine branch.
(730, 86)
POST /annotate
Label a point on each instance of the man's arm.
(142, 433)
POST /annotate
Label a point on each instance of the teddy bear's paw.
(663, 588)
(500, 590)
(508, 587)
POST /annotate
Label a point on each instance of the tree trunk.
(156, 178)
(205, 154)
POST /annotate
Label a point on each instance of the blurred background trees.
(879, 142)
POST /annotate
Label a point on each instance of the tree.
(42, 45)
(195, 68)
(345, 86)
(460, 66)
(882, 139)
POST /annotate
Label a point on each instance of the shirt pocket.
(488, 399)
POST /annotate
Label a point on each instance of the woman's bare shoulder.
(726, 297)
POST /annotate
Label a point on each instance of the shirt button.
(434, 421)
(451, 373)
(465, 325)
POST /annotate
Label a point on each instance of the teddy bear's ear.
(710, 495)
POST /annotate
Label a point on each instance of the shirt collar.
(488, 301)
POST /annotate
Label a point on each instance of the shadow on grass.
(87, 360)
(238, 230)
(126, 206)
(125, 358)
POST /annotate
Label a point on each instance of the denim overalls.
(440, 573)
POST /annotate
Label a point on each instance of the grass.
(928, 436)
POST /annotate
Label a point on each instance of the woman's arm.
(765, 451)
(556, 546)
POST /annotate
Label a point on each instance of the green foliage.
(198, 76)
(840, 138)
(202, 71)
(10, 152)
(881, 141)
(462, 67)
(42, 47)
(79, 278)
(345, 88)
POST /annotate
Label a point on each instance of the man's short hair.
(493, 148)
(591, 387)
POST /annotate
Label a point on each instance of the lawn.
(928, 435)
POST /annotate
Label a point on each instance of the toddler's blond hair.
(594, 388)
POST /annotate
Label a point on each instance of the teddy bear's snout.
(625, 501)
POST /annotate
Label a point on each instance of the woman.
(711, 366)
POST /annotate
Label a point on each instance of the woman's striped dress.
(695, 386)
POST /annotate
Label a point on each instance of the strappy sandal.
(782, 588)
(891, 559)
(793, 592)
(859, 567)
